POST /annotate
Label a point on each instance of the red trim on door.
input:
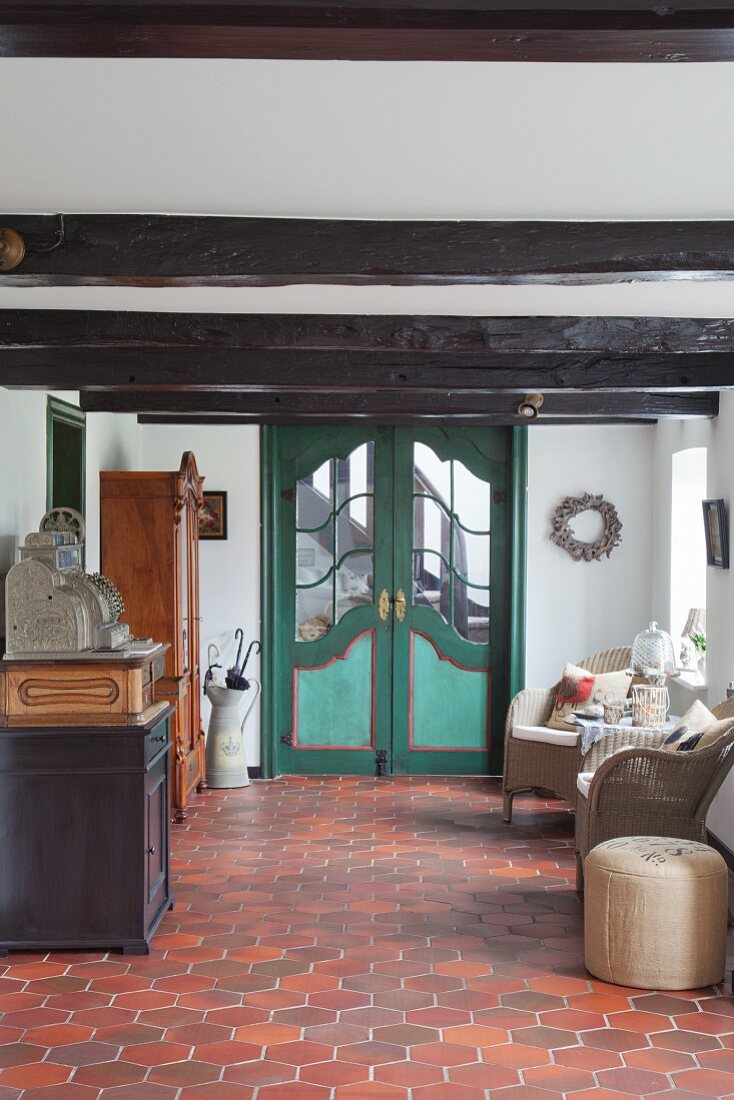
(315, 668)
(465, 668)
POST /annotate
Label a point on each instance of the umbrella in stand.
(234, 678)
(247, 655)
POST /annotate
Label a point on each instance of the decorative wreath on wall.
(562, 533)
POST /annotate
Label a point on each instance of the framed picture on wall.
(717, 533)
(213, 516)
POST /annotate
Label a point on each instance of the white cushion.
(544, 734)
(583, 782)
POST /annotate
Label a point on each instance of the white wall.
(368, 139)
(228, 459)
(577, 608)
(22, 468)
(112, 444)
(718, 436)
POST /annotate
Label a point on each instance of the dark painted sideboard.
(84, 859)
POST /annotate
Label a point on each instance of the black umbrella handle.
(239, 633)
(249, 651)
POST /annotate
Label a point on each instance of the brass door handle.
(400, 605)
(383, 605)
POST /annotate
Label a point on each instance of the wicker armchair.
(650, 792)
(553, 763)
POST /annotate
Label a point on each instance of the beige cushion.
(655, 913)
(579, 687)
(545, 735)
(696, 730)
(583, 782)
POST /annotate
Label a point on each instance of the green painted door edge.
(519, 558)
(65, 413)
(268, 543)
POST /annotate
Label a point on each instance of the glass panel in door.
(450, 495)
(334, 711)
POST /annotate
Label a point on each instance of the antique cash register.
(69, 660)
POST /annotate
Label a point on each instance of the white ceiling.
(370, 139)
(675, 299)
(380, 140)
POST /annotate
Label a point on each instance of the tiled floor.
(359, 940)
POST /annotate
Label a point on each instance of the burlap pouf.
(655, 913)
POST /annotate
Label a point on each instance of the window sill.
(691, 681)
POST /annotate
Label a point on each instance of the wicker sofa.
(651, 792)
(537, 757)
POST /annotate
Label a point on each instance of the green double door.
(388, 599)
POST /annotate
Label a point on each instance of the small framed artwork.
(717, 533)
(213, 516)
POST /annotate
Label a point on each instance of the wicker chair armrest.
(616, 740)
(652, 771)
(531, 707)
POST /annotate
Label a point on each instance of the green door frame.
(61, 412)
(269, 495)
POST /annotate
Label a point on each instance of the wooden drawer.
(155, 740)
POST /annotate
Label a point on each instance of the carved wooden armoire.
(150, 550)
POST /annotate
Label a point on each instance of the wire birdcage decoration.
(650, 705)
(653, 654)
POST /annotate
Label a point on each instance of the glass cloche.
(653, 653)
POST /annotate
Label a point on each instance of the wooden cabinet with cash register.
(84, 754)
(150, 550)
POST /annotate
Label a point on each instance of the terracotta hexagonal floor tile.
(35, 1075)
(266, 1035)
(609, 1038)
(449, 1092)
(180, 1074)
(690, 1042)
(333, 1074)
(706, 1023)
(639, 1082)
(302, 1053)
(475, 1035)
(227, 1053)
(372, 1053)
(408, 1074)
(370, 1090)
(155, 1054)
(260, 1073)
(663, 1003)
(215, 1090)
(406, 1035)
(444, 1054)
(551, 1038)
(19, 1054)
(82, 1054)
(647, 1023)
(481, 1075)
(708, 1082)
(516, 1055)
(58, 1035)
(560, 1078)
(196, 1034)
(110, 1074)
(295, 1090)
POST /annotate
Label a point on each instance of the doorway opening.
(393, 597)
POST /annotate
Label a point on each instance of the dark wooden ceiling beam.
(290, 405)
(235, 369)
(118, 330)
(490, 420)
(167, 250)
(466, 30)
